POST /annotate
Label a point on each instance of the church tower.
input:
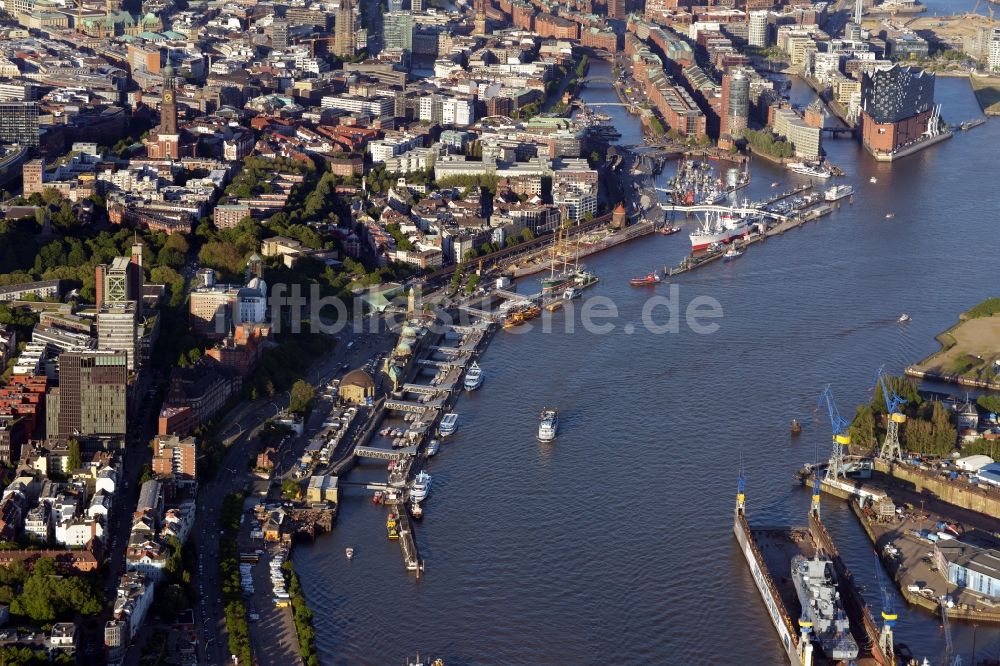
(479, 23)
(168, 135)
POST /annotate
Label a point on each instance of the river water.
(614, 544)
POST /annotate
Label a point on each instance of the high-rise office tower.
(91, 396)
(19, 123)
(343, 42)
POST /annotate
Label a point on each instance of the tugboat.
(732, 253)
(669, 231)
(377, 497)
(392, 527)
(416, 511)
(796, 427)
(651, 279)
(549, 425)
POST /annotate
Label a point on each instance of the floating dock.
(769, 552)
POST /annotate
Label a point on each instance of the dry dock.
(768, 552)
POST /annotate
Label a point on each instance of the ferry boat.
(651, 279)
(808, 170)
(433, 448)
(448, 425)
(392, 526)
(473, 377)
(732, 253)
(816, 585)
(549, 425)
(416, 511)
(721, 228)
(421, 487)
(838, 192)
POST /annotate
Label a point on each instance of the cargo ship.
(719, 228)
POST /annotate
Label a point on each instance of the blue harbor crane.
(838, 425)
(889, 616)
(893, 401)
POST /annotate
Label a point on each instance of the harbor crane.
(893, 401)
(950, 658)
(838, 424)
(889, 617)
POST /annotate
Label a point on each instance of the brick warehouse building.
(896, 106)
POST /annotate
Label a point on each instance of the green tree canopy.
(302, 394)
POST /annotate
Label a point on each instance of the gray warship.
(822, 613)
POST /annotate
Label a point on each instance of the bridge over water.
(714, 208)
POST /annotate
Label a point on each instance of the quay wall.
(960, 494)
(919, 600)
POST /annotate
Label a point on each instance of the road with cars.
(241, 428)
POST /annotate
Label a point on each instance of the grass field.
(987, 90)
(968, 349)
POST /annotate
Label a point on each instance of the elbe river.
(614, 544)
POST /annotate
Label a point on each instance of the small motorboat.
(873, 180)
(796, 427)
(651, 279)
(775, 184)
(889, 216)
(903, 318)
(349, 552)
(732, 253)
(668, 231)
(432, 447)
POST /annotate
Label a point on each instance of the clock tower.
(168, 135)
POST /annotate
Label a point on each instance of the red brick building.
(547, 25)
(600, 39)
